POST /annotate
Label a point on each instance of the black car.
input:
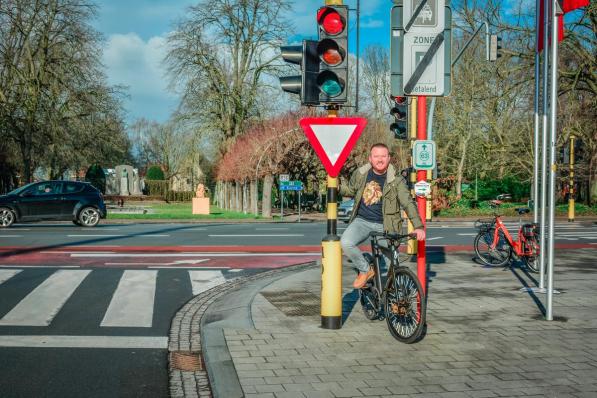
(79, 202)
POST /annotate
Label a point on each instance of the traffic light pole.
(331, 259)
(421, 200)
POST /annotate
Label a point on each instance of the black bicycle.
(401, 300)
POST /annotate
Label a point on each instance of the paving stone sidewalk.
(485, 337)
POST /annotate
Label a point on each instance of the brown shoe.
(362, 278)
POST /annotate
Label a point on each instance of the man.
(379, 194)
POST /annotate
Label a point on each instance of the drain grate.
(294, 302)
(186, 361)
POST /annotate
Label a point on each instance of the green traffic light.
(330, 84)
(331, 88)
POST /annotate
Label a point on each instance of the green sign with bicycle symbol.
(424, 155)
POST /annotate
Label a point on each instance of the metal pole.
(571, 182)
(411, 246)
(281, 204)
(545, 134)
(552, 156)
(421, 201)
(299, 220)
(536, 118)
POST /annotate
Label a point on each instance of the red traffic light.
(399, 100)
(330, 21)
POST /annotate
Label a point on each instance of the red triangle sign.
(333, 138)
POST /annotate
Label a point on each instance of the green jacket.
(395, 196)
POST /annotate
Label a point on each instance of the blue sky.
(135, 34)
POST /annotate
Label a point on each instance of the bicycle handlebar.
(388, 235)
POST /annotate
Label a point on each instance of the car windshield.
(19, 190)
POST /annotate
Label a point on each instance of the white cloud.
(138, 64)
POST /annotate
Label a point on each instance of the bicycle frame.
(377, 251)
(519, 246)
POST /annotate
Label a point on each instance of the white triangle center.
(333, 138)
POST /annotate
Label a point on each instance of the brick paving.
(485, 338)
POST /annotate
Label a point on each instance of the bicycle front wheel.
(405, 306)
(500, 255)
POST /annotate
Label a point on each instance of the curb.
(187, 372)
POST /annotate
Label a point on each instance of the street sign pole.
(421, 200)
(299, 200)
(281, 204)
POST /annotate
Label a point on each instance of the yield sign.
(333, 138)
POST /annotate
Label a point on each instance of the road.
(86, 312)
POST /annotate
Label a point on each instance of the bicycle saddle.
(522, 210)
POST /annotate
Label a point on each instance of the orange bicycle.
(494, 245)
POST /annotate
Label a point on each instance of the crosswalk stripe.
(202, 280)
(40, 306)
(6, 274)
(133, 301)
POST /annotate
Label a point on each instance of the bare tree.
(219, 55)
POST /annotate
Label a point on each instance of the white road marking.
(256, 235)
(101, 229)
(165, 265)
(435, 238)
(186, 267)
(6, 274)
(236, 270)
(204, 280)
(95, 236)
(157, 255)
(272, 229)
(85, 342)
(133, 301)
(40, 306)
(469, 234)
(40, 266)
(11, 236)
(151, 236)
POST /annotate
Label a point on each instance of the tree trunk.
(460, 170)
(254, 198)
(266, 201)
(245, 197)
(237, 196)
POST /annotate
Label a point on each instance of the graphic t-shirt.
(370, 205)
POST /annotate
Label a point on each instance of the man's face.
(379, 159)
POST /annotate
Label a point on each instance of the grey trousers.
(356, 234)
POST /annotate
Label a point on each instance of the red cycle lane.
(159, 256)
(185, 256)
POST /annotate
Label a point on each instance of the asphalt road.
(249, 234)
(86, 312)
(92, 333)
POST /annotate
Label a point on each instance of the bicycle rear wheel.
(405, 306)
(500, 255)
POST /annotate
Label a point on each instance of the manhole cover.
(186, 361)
(294, 302)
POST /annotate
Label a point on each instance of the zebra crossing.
(132, 303)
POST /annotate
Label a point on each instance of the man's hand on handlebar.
(420, 234)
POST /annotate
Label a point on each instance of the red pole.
(421, 201)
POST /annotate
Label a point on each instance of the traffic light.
(304, 84)
(495, 47)
(332, 51)
(400, 113)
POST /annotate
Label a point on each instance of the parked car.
(345, 210)
(79, 202)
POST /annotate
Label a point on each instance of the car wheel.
(89, 217)
(7, 217)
